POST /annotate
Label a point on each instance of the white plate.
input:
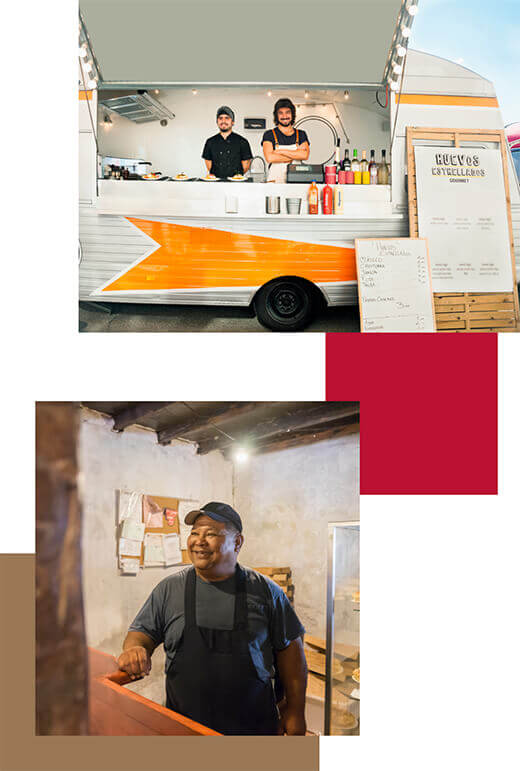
(214, 179)
(242, 179)
(183, 179)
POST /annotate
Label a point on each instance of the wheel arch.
(317, 290)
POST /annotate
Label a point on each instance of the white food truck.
(158, 231)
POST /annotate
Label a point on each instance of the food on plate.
(343, 718)
(154, 175)
(210, 176)
(355, 675)
(182, 175)
(238, 177)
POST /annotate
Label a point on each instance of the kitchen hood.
(139, 108)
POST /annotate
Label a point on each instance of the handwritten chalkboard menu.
(394, 283)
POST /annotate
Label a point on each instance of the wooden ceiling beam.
(301, 438)
(220, 415)
(294, 420)
(137, 412)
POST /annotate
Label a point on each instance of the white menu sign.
(462, 211)
(395, 293)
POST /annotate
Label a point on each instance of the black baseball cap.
(221, 512)
(225, 110)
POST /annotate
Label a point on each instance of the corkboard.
(467, 311)
(163, 503)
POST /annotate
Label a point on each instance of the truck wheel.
(285, 305)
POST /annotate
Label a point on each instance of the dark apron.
(213, 679)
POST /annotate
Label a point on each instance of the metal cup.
(293, 205)
(272, 204)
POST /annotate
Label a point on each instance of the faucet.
(263, 161)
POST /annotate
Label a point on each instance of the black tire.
(286, 304)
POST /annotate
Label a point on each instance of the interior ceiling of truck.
(276, 41)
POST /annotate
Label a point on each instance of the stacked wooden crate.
(282, 577)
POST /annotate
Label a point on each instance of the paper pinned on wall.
(130, 566)
(152, 512)
(130, 506)
(184, 508)
(130, 548)
(133, 530)
(153, 549)
(172, 549)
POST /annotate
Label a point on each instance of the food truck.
(156, 228)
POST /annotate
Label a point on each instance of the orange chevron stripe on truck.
(194, 257)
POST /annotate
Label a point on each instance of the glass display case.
(342, 688)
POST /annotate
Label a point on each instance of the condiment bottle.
(328, 197)
(338, 200)
(314, 198)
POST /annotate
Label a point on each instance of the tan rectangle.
(496, 323)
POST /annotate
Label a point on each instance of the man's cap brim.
(191, 516)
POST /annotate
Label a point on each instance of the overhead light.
(406, 32)
(306, 94)
(156, 90)
(401, 51)
(87, 66)
(91, 83)
(394, 85)
(346, 94)
(412, 10)
(82, 51)
(241, 455)
(194, 91)
(269, 93)
(398, 68)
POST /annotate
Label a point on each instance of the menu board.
(394, 284)
(462, 211)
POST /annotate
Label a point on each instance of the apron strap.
(297, 137)
(275, 138)
(189, 599)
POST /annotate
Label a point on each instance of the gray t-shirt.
(272, 622)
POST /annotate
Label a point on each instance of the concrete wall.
(286, 500)
(132, 460)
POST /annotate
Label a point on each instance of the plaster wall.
(286, 499)
(132, 460)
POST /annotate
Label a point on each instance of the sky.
(482, 35)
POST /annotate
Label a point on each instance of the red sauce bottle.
(328, 198)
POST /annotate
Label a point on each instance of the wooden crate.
(282, 577)
(467, 311)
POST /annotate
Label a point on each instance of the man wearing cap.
(226, 153)
(233, 642)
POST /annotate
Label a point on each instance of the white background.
(440, 576)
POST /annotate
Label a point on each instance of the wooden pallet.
(467, 311)
(282, 577)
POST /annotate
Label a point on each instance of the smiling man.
(284, 144)
(231, 637)
(226, 153)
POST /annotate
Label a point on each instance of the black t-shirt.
(284, 139)
(226, 154)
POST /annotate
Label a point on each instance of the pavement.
(139, 317)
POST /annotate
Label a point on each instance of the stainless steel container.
(294, 205)
(272, 204)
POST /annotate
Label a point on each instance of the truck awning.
(147, 42)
